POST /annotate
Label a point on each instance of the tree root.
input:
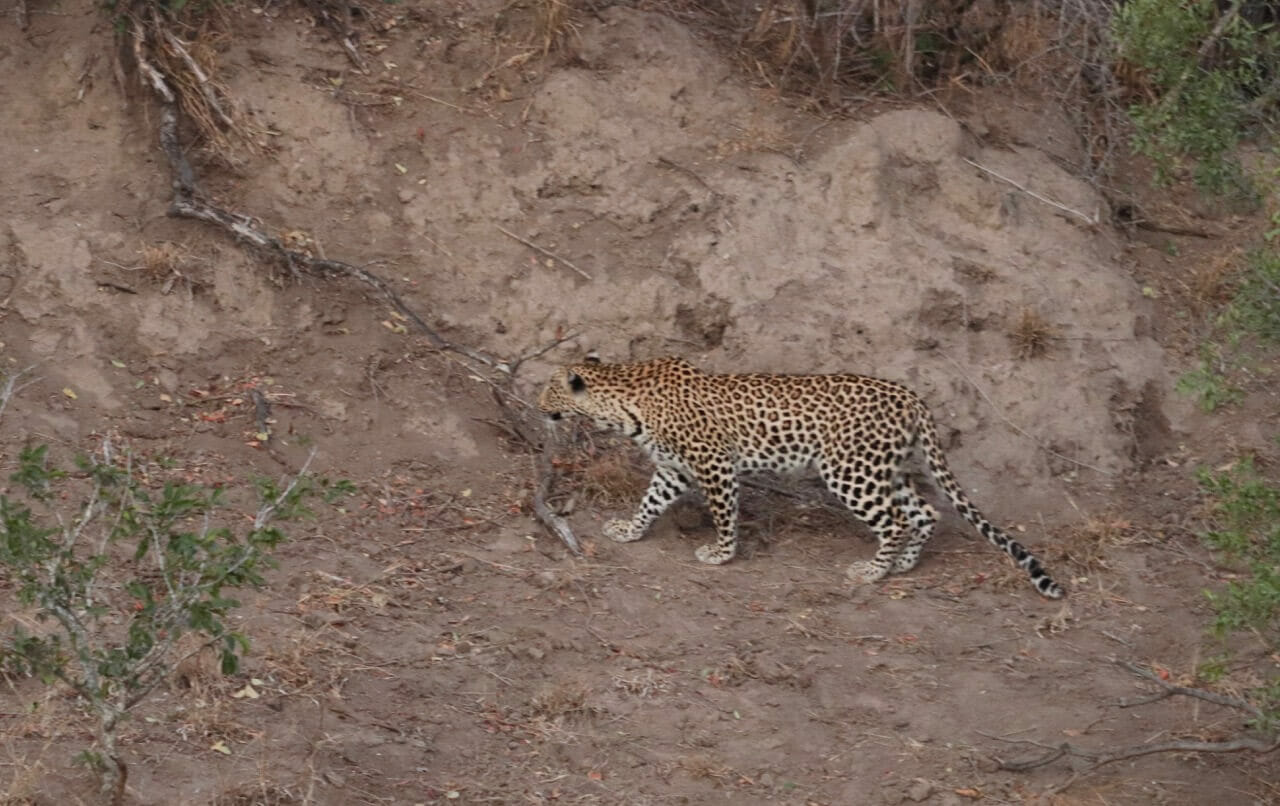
(1107, 755)
(187, 202)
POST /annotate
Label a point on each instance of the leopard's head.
(609, 394)
(584, 389)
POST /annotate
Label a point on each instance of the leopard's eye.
(576, 383)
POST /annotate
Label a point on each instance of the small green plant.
(1207, 70)
(1246, 529)
(1255, 308)
(1208, 385)
(124, 575)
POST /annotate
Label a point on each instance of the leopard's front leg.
(719, 483)
(668, 483)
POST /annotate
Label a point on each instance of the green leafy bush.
(1255, 308)
(1246, 529)
(124, 574)
(1209, 75)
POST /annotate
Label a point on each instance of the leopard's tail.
(928, 439)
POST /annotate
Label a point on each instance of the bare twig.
(1169, 689)
(1018, 428)
(12, 387)
(542, 251)
(1107, 755)
(1100, 759)
(539, 351)
(149, 72)
(433, 99)
(1091, 221)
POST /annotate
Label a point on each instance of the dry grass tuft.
(190, 65)
(1088, 546)
(304, 662)
(839, 53)
(701, 766)
(1211, 285)
(160, 260)
(1031, 334)
(641, 685)
(25, 783)
(613, 479)
(199, 669)
(561, 701)
(212, 718)
(555, 26)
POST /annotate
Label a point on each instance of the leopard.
(709, 430)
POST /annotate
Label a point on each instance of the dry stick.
(441, 101)
(1170, 689)
(1019, 429)
(12, 387)
(1086, 219)
(151, 74)
(1100, 759)
(546, 252)
(546, 474)
(1110, 755)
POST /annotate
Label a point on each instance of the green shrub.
(1255, 308)
(1246, 529)
(1210, 75)
(121, 576)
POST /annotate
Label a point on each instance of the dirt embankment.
(431, 644)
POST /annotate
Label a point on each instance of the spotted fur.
(858, 432)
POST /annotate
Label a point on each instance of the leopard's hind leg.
(854, 482)
(921, 518)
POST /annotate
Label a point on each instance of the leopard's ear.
(591, 358)
(576, 383)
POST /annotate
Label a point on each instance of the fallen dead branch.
(546, 476)
(1098, 757)
(187, 202)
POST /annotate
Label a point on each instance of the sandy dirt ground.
(432, 643)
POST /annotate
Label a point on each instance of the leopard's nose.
(555, 415)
